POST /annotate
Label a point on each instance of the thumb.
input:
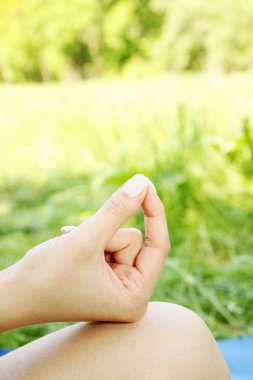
(123, 204)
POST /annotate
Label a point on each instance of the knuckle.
(136, 234)
(117, 207)
(133, 312)
(137, 313)
(167, 247)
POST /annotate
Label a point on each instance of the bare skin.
(169, 343)
(98, 271)
(68, 278)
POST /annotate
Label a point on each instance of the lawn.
(65, 148)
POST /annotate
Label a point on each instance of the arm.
(15, 296)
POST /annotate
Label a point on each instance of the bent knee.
(185, 342)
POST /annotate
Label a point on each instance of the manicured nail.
(66, 229)
(135, 185)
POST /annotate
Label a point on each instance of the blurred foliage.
(67, 148)
(212, 35)
(45, 40)
(51, 39)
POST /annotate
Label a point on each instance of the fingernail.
(135, 185)
(66, 229)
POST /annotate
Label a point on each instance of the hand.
(97, 271)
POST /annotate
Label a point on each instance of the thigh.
(169, 343)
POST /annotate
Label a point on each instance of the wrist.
(15, 299)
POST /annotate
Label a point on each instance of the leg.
(169, 343)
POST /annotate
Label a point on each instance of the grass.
(65, 148)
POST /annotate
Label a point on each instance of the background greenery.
(66, 147)
(43, 40)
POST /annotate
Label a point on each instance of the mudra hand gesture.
(94, 271)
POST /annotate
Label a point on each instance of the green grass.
(65, 148)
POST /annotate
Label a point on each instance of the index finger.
(156, 246)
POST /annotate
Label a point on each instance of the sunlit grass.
(65, 148)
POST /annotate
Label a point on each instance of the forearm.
(15, 299)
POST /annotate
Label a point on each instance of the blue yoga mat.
(238, 354)
(4, 351)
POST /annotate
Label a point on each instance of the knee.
(183, 343)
